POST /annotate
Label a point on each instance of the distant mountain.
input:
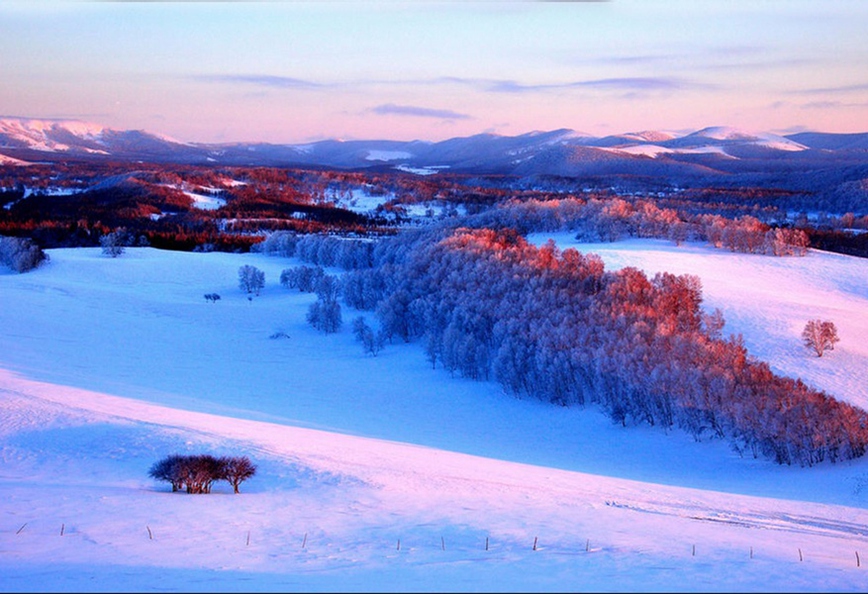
(724, 136)
(716, 150)
(832, 142)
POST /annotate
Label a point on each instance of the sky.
(294, 72)
(381, 474)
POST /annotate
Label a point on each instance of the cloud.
(630, 84)
(832, 105)
(857, 88)
(415, 111)
(261, 80)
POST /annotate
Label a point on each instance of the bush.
(21, 254)
(197, 473)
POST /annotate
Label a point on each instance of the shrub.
(197, 473)
(21, 254)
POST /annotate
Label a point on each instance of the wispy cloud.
(833, 105)
(623, 84)
(261, 80)
(632, 84)
(835, 90)
(416, 111)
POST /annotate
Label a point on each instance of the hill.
(380, 473)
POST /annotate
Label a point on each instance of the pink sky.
(297, 71)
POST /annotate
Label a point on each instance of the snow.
(201, 201)
(646, 150)
(430, 170)
(768, 301)
(7, 160)
(382, 155)
(381, 473)
(765, 139)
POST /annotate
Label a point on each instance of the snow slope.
(380, 473)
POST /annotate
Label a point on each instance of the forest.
(462, 281)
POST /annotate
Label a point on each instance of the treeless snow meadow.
(381, 473)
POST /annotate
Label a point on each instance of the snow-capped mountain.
(728, 136)
(76, 138)
(557, 152)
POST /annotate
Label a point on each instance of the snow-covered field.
(380, 473)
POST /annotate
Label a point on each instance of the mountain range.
(563, 152)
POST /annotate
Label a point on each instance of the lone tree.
(820, 336)
(251, 279)
(115, 243)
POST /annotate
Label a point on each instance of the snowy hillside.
(381, 473)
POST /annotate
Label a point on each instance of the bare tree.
(251, 279)
(196, 474)
(170, 470)
(237, 470)
(820, 336)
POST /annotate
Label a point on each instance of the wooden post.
(800, 555)
(858, 562)
(248, 538)
(442, 544)
(694, 551)
(399, 545)
(304, 542)
(150, 534)
(587, 545)
(751, 552)
(486, 543)
(534, 542)
(61, 529)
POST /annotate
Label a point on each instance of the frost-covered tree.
(820, 336)
(325, 315)
(371, 341)
(115, 243)
(21, 254)
(304, 278)
(251, 279)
